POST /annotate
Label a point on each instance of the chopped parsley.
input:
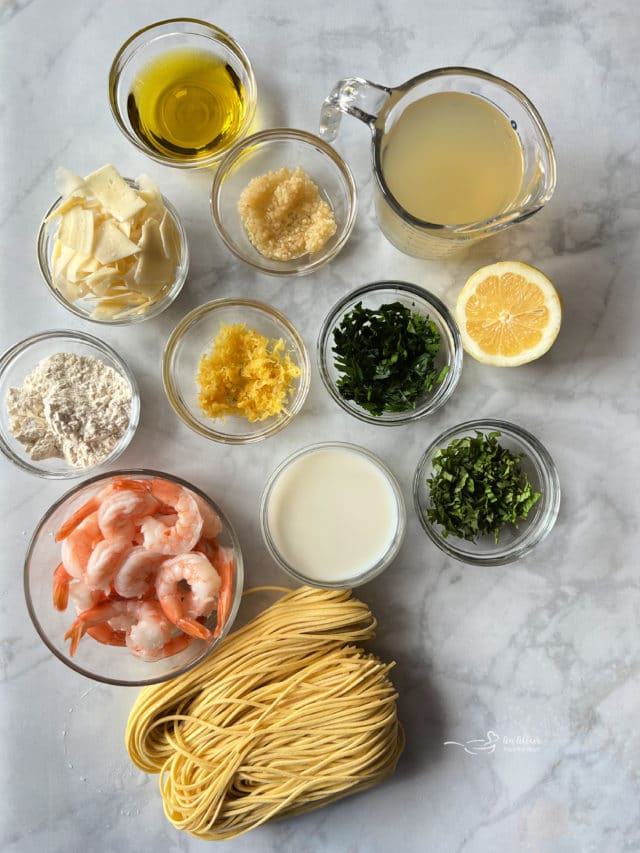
(386, 357)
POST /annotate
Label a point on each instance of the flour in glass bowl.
(71, 407)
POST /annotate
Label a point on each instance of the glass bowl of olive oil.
(182, 91)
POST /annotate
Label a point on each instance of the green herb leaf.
(478, 487)
(386, 356)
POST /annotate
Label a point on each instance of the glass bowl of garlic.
(112, 249)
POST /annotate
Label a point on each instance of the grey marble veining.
(531, 669)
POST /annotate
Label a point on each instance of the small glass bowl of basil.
(486, 492)
(389, 353)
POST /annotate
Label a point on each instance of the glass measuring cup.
(381, 107)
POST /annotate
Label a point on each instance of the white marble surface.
(544, 653)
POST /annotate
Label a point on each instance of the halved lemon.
(509, 313)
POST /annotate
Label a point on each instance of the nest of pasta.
(285, 716)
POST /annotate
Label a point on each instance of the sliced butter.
(67, 182)
(115, 246)
(111, 244)
(74, 272)
(169, 235)
(100, 281)
(61, 256)
(114, 193)
(76, 230)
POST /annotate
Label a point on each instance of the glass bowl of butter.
(112, 249)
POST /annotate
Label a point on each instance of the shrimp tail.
(193, 628)
(61, 579)
(77, 518)
(130, 485)
(94, 502)
(224, 567)
(75, 633)
(175, 645)
(107, 636)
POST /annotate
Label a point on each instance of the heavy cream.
(332, 513)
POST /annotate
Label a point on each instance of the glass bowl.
(155, 40)
(21, 359)
(84, 307)
(514, 542)
(193, 337)
(269, 151)
(418, 300)
(282, 538)
(111, 664)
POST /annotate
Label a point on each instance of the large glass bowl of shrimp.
(133, 577)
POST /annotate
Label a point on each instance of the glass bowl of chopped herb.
(69, 404)
(235, 370)
(486, 492)
(389, 353)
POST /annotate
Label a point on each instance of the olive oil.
(453, 158)
(187, 104)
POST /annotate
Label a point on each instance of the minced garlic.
(284, 215)
(245, 374)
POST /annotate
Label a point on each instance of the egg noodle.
(285, 716)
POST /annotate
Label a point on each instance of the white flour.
(71, 407)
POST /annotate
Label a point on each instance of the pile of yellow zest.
(245, 374)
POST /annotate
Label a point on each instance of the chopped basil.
(478, 487)
(386, 356)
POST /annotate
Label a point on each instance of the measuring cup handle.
(358, 97)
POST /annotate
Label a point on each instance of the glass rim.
(550, 499)
(178, 334)
(150, 472)
(216, 34)
(494, 223)
(82, 337)
(182, 269)
(383, 563)
(447, 387)
(275, 134)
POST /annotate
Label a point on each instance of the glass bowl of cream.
(332, 515)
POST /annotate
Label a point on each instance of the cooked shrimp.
(107, 636)
(78, 545)
(100, 614)
(185, 606)
(180, 537)
(151, 637)
(171, 647)
(211, 524)
(83, 597)
(223, 560)
(136, 575)
(93, 504)
(61, 579)
(105, 560)
(122, 509)
(146, 630)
